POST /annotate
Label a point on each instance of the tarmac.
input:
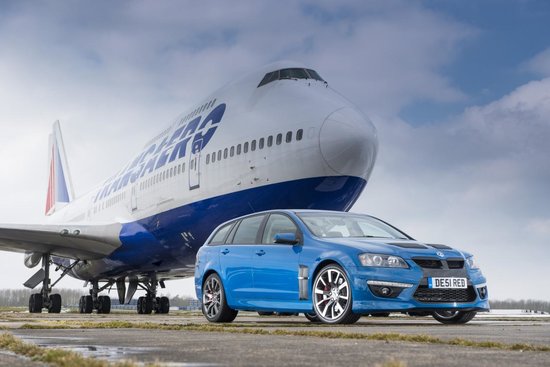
(244, 348)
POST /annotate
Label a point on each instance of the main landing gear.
(94, 301)
(150, 303)
(44, 299)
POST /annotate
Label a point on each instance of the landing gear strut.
(94, 301)
(44, 299)
(150, 303)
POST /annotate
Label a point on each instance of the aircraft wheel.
(453, 317)
(104, 304)
(55, 303)
(332, 298)
(164, 305)
(145, 305)
(35, 303)
(85, 305)
(214, 303)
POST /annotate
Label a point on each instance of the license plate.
(447, 282)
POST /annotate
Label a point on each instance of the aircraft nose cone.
(349, 143)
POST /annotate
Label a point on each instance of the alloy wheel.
(331, 294)
(211, 298)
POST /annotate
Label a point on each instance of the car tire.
(214, 303)
(332, 296)
(453, 317)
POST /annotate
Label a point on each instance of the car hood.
(404, 248)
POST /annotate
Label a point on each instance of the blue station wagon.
(334, 267)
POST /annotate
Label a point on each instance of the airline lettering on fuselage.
(171, 148)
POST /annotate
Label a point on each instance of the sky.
(459, 92)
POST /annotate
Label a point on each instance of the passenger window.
(207, 158)
(232, 151)
(213, 157)
(279, 139)
(278, 223)
(261, 143)
(220, 236)
(253, 145)
(245, 147)
(219, 155)
(248, 230)
(299, 134)
(225, 153)
(270, 140)
(289, 136)
(238, 149)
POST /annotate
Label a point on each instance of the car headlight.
(382, 261)
(472, 264)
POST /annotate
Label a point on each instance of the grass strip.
(56, 357)
(229, 328)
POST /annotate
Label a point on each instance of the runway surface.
(241, 346)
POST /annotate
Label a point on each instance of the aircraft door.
(133, 198)
(194, 165)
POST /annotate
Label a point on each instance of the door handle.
(260, 252)
(225, 251)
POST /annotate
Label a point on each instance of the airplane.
(278, 137)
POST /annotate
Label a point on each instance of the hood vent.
(408, 245)
(441, 247)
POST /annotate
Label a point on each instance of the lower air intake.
(428, 295)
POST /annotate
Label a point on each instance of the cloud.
(539, 64)
(479, 182)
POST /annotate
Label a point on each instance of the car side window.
(220, 236)
(278, 223)
(248, 230)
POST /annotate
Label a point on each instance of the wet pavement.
(195, 348)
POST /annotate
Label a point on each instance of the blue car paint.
(278, 282)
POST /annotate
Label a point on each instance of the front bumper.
(409, 291)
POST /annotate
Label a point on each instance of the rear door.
(276, 266)
(236, 259)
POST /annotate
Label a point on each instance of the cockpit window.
(290, 73)
(294, 74)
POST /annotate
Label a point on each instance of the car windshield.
(328, 225)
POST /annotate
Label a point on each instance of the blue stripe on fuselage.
(170, 240)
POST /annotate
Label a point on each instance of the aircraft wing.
(84, 242)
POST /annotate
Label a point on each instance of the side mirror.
(286, 238)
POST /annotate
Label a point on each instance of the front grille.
(428, 295)
(455, 264)
(428, 263)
